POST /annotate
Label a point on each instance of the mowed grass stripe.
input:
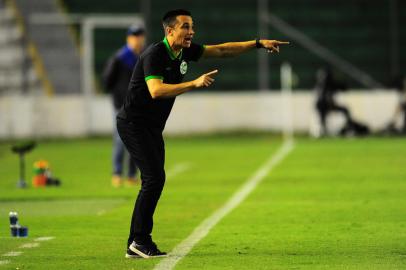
(204, 228)
(219, 166)
(333, 204)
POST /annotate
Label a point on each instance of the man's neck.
(136, 51)
(133, 50)
(175, 49)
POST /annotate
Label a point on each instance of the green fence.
(368, 34)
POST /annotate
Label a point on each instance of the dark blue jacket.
(117, 74)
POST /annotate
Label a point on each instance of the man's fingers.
(274, 48)
(206, 78)
(273, 45)
(210, 79)
(212, 72)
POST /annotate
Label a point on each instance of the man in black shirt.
(116, 76)
(156, 81)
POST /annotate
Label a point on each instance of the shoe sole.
(128, 256)
(143, 255)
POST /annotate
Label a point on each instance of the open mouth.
(188, 39)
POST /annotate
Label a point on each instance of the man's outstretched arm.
(230, 49)
(158, 89)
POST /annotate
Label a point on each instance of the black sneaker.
(132, 255)
(147, 251)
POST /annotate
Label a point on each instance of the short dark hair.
(169, 19)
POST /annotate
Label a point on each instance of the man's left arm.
(230, 49)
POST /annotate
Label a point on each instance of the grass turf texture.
(331, 204)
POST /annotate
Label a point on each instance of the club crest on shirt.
(183, 67)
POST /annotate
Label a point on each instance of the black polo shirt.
(157, 61)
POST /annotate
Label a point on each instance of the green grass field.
(330, 204)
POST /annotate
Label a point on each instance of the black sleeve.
(194, 52)
(153, 66)
(110, 74)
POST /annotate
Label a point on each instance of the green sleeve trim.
(203, 48)
(154, 77)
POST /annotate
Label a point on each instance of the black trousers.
(146, 147)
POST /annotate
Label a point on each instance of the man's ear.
(168, 30)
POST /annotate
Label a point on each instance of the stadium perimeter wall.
(77, 116)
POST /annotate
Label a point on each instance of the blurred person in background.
(116, 77)
(327, 87)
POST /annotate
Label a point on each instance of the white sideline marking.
(177, 169)
(27, 245)
(4, 262)
(182, 249)
(13, 254)
(45, 238)
(30, 245)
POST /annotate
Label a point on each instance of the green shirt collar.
(170, 51)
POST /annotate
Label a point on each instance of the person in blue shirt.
(116, 76)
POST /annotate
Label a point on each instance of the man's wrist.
(258, 43)
(194, 84)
